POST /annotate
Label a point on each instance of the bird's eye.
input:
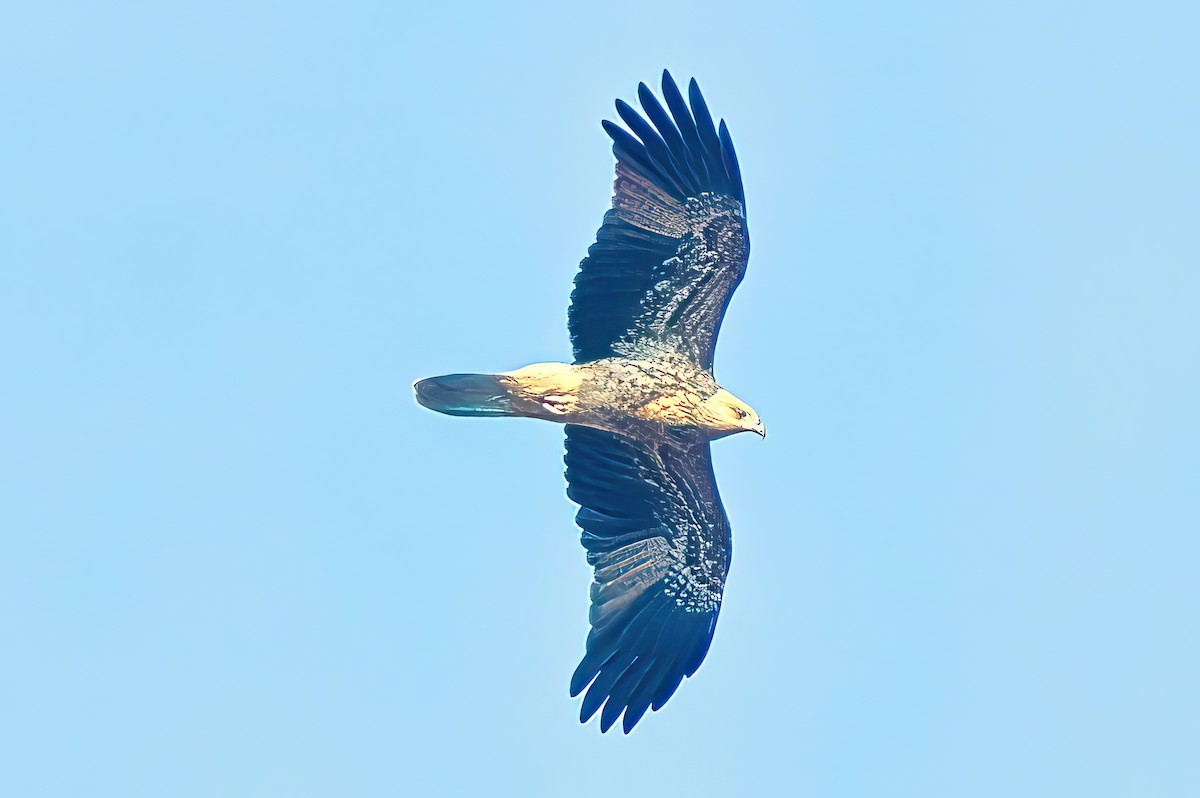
(740, 412)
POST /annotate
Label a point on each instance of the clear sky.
(239, 560)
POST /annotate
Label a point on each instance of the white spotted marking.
(555, 404)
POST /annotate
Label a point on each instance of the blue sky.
(240, 561)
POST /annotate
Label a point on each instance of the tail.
(465, 395)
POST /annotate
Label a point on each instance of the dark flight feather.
(687, 125)
(670, 253)
(670, 136)
(729, 158)
(708, 135)
(659, 540)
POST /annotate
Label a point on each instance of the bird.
(640, 402)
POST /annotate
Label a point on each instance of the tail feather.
(465, 395)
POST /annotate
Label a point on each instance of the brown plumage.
(640, 403)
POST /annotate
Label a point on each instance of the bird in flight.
(640, 403)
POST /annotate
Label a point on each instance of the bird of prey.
(640, 403)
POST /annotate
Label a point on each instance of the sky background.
(239, 560)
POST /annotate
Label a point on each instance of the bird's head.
(730, 414)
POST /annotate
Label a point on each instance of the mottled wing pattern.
(674, 246)
(658, 537)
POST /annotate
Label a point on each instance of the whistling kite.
(640, 403)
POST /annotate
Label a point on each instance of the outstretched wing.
(658, 537)
(674, 246)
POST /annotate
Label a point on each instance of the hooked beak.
(761, 429)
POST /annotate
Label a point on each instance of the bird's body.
(639, 398)
(640, 402)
